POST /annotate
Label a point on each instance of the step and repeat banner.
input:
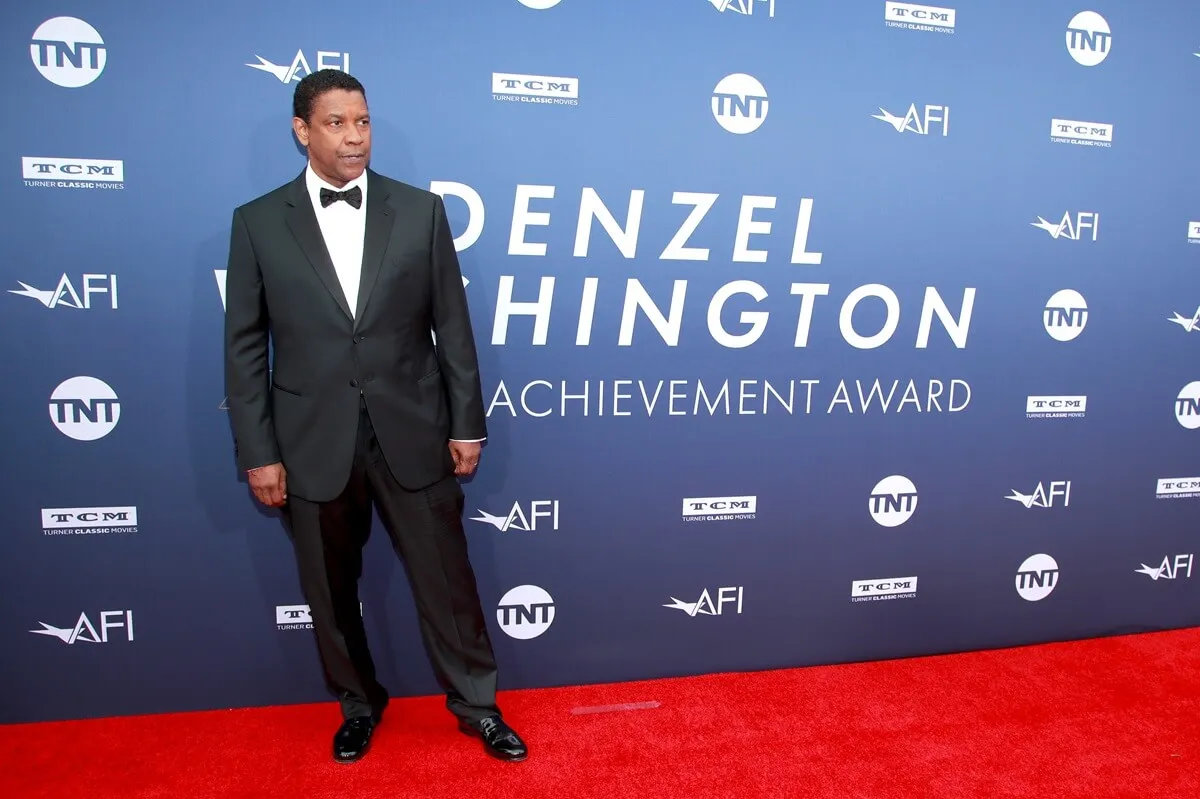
(811, 331)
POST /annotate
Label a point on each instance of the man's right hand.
(269, 484)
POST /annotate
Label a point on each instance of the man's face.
(337, 135)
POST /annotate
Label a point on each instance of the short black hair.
(314, 84)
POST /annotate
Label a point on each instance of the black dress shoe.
(353, 739)
(499, 740)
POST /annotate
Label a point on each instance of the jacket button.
(354, 383)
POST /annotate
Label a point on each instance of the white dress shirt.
(344, 229)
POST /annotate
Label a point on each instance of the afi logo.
(85, 631)
(1043, 497)
(1089, 38)
(1189, 324)
(920, 122)
(292, 72)
(705, 606)
(519, 519)
(745, 7)
(1071, 228)
(65, 295)
(1180, 568)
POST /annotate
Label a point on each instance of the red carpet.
(1116, 717)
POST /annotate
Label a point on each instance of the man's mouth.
(353, 157)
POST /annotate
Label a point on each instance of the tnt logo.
(893, 501)
(1037, 577)
(705, 606)
(1179, 568)
(521, 519)
(68, 52)
(1065, 315)
(1044, 496)
(1187, 406)
(539, 5)
(739, 103)
(1074, 228)
(919, 122)
(745, 7)
(86, 632)
(65, 295)
(1088, 38)
(84, 408)
(525, 612)
(287, 73)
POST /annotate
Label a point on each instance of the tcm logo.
(287, 73)
(1193, 232)
(1065, 315)
(542, 89)
(1074, 228)
(1189, 323)
(739, 103)
(718, 508)
(1187, 406)
(84, 408)
(1044, 496)
(1055, 407)
(519, 518)
(918, 18)
(65, 295)
(1179, 568)
(893, 501)
(1087, 134)
(1037, 577)
(921, 122)
(297, 617)
(745, 7)
(706, 606)
(86, 632)
(1088, 38)
(539, 5)
(885, 589)
(68, 52)
(72, 173)
(1178, 488)
(525, 612)
(89, 521)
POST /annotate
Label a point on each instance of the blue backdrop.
(811, 331)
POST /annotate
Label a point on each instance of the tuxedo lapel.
(380, 216)
(302, 221)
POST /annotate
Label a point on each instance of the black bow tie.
(352, 196)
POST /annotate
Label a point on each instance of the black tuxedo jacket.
(281, 285)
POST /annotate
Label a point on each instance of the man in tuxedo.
(346, 272)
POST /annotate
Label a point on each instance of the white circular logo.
(84, 408)
(525, 612)
(1088, 38)
(1037, 577)
(539, 5)
(893, 501)
(68, 52)
(1065, 315)
(739, 103)
(1187, 406)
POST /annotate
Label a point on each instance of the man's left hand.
(466, 456)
